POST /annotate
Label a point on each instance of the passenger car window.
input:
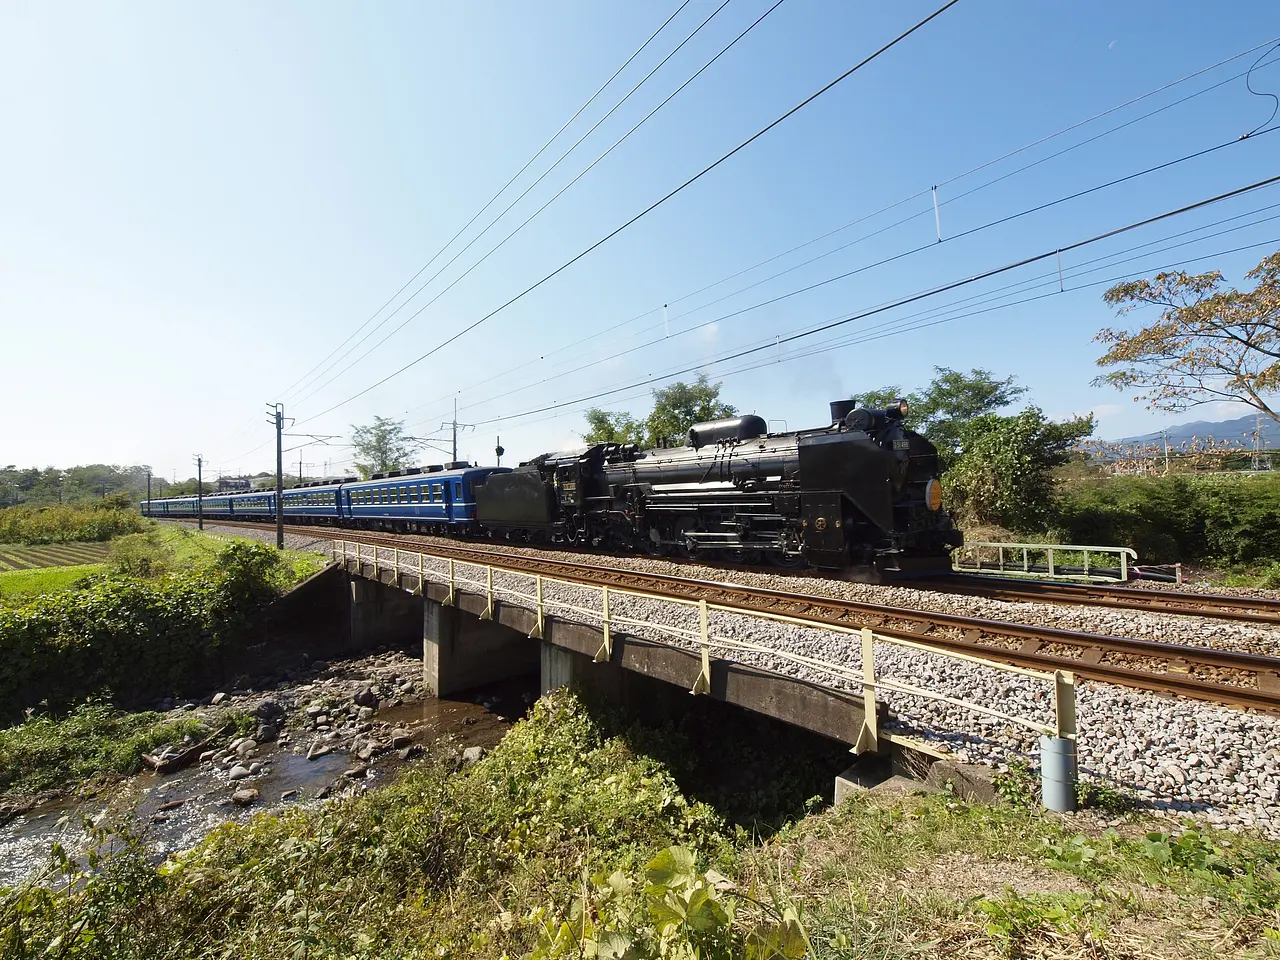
(404, 494)
(457, 489)
(437, 491)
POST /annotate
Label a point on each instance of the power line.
(917, 195)
(913, 298)
(552, 199)
(528, 163)
(931, 245)
(653, 206)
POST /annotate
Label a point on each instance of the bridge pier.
(460, 651)
(382, 616)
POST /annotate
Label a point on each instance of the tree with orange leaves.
(1209, 343)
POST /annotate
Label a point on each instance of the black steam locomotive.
(861, 495)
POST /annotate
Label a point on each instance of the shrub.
(140, 555)
(65, 523)
(1221, 518)
(439, 863)
(131, 639)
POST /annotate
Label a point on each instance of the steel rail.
(1213, 605)
(1197, 672)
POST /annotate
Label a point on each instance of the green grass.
(24, 584)
(47, 753)
(52, 555)
(559, 841)
(194, 550)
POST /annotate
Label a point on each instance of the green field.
(51, 555)
(21, 584)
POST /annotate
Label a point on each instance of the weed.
(1017, 786)
(1103, 796)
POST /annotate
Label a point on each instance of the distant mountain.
(1238, 430)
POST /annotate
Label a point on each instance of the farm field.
(51, 555)
(21, 585)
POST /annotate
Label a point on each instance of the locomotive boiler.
(861, 494)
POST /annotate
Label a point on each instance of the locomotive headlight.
(933, 495)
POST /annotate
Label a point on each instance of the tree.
(952, 399)
(1005, 474)
(613, 426)
(678, 407)
(1209, 343)
(381, 445)
(675, 409)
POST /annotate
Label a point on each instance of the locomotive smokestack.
(840, 409)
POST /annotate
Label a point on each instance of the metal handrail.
(1124, 557)
(1062, 681)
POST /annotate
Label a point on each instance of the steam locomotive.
(860, 495)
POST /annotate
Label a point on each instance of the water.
(173, 811)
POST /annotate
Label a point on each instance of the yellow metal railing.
(445, 570)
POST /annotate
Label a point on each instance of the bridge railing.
(1057, 561)
(703, 635)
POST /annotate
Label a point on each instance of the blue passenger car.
(257, 505)
(433, 498)
(313, 502)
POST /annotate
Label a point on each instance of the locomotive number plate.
(902, 444)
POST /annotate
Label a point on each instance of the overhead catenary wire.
(893, 258)
(501, 190)
(550, 200)
(947, 181)
(913, 298)
(649, 209)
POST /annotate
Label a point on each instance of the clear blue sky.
(200, 202)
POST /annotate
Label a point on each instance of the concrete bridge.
(469, 639)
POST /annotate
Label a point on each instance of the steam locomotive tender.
(861, 495)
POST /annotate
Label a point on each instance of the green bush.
(67, 524)
(1179, 518)
(44, 752)
(439, 863)
(129, 639)
(140, 555)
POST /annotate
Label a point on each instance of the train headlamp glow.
(933, 495)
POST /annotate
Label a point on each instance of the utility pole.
(454, 425)
(277, 418)
(299, 466)
(148, 493)
(497, 449)
(199, 491)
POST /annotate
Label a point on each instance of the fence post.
(869, 735)
(1058, 772)
(1026, 568)
(703, 683)
(538, 628)
(395, 558)
(488, 610)
(377, 563)
(422, 578)
(451, 600)
(1052, 572)
(1124, 567)
(606, 647)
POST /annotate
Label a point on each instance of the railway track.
(1217, 606)
(1234, 678)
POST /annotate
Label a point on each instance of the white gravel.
(1173, 753)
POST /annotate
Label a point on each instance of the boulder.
(239, 772)
(243, 798)
(472, 754)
